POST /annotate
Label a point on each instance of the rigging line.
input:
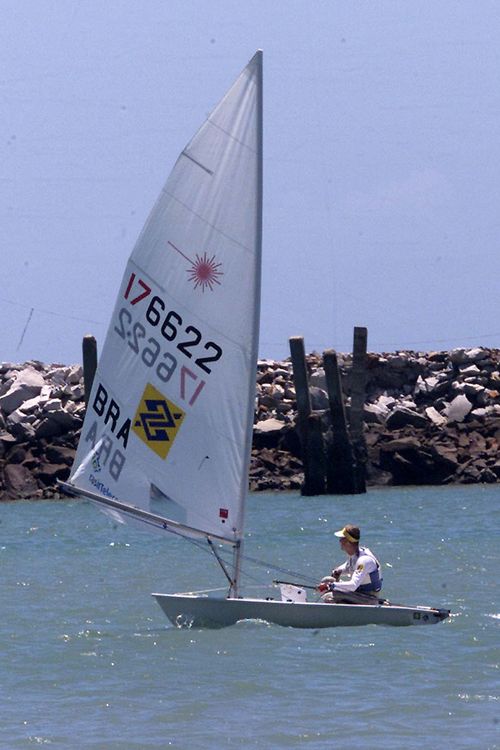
(25, 329)
(250, 577)
(219, 554)
(220, 561)
(50, 312)
(244, 573)
(200, 545)
(270, 566)
(278, 568)
(247, 558)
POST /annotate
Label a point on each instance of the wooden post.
(308, 424)
(89, 354)
(358, 397)
(300, 378)
(340, 455)
(314, 457)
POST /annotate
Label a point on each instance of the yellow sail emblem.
(157, 421)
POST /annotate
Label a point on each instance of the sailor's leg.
(345, 597)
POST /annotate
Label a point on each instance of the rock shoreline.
(430, 418)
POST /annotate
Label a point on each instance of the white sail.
(169, 420)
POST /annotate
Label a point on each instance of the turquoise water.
(89, 660)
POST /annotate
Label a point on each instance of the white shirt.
(359, 567)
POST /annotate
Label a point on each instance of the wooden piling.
(308, 424)
(313, 457)
(358, 397)
(300, 379)
(89, 355)
(340, 464)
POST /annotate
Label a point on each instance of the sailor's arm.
(335, 574)
(364, 567)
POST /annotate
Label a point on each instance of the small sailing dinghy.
(167, 434)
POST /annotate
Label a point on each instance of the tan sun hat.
(349, 532)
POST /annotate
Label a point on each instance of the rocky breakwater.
(41, 413)
(430, 418)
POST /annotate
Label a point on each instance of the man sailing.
(364, 583)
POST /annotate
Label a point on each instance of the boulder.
(318, 379)
(17, 455)
(386, 402)
(20, 425)
(458, 409)
(488, 476)
(468, 356)
(473, 389)
(401, 445)
(445, 456)
(410, 463)
(48, 474)
(373, 413)
(75, 374)
(29, 383)
(480, 413)
(19, 482)
(319, 399)
(401, 416)
(476, 354)
(268, 433)
(47, 427)
(32, 405)
(7, 439)
(433, 386)
(435, 417)
(60, 454)
(77, 392)
(467, 370)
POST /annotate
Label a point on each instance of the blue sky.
(381, 178)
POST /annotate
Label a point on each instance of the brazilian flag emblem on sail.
(157, 421)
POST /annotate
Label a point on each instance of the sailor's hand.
(327, 579)
(336, 574)
(322, 587)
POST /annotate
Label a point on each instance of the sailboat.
(167, 434)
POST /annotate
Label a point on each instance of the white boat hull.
(188, 610)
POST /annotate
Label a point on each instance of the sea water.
(89, 660)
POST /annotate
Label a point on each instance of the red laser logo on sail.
(204, 271)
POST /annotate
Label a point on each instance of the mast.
(257, 61)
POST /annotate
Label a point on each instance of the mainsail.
(169, 420)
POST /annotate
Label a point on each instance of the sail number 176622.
(186, 337)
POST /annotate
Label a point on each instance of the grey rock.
(468, 370)
(480, 413)
(53, 405)
(28, 383)
(319, 399)
(268, 425)
(401, 416)
(19, 481)
(435, 417)
(318, 379)
(458, 409)
(373, 413)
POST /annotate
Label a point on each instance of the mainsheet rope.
(246, 558)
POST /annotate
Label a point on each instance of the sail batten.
(169, 420)
(202, 166)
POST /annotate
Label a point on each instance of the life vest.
(375, 577)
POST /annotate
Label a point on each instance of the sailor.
(364, 583)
